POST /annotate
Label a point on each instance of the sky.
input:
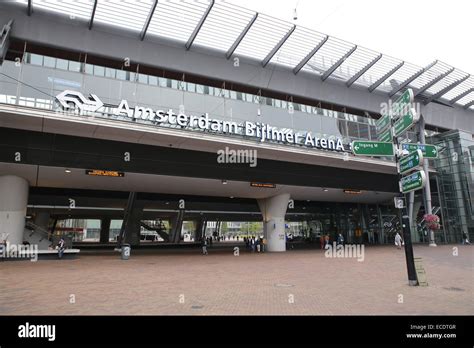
(417, 31)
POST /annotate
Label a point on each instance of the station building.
(140, 117)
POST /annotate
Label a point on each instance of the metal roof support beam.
(309, 55)
(468, 105)
(91, 21)
(446, 89)
(460, 96)
(148, 20)
(363, 71)
(29, 9)
(199, 26)
(433, 82)
(278, 46)
(381, 80)
(328, 72)
(241, 37)
(410, 79)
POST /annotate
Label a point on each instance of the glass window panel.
(352, 129)
(162, 82)
(121, 74)
(191, 87)
(109, 72)
(89, 69)
(36, 59)
(49, 62)
(142, 78)
(74, 66)
(363, 131)
(99, 70)
(61, 64)
(153, 80)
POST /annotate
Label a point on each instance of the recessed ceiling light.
(224, 182)
(67, 171)
(325, 190)
(231, 197)
(167, 202)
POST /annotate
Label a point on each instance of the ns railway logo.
(74, 100)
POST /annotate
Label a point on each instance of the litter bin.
(125, 251)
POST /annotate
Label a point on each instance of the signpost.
(428, 151)
(405, 122)
(383, 122)
(411, 162)
(402, 103)
(385, 136)
(413, 182)
(372, 148)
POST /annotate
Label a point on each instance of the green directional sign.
(411, 162)
(403, 103)
(412, 182)
(382, 122)
(405, 122)
(428, 151)
(372, 148)
(385, 136)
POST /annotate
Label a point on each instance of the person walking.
(257, 243)
(326, 242)
(61, 247)
(465, 238)
(398, 241)
(340, 239)
(204, 246)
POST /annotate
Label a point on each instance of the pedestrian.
(321, 241)
(465, 238)
(204, 246)
(326, 242)
(252, 244)
(61, 247)
(340, 239)
(398, 241)
(257, 243)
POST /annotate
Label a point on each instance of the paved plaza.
(183, 282)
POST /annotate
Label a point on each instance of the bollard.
(125, 251)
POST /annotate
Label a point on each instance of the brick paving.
(156, 282)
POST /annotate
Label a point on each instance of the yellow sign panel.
(262, 184)
(98, 172)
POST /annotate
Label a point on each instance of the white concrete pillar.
(13, 202)
(273, 211)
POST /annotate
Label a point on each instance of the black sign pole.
(406, 228)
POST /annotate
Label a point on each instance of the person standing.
(398, 241)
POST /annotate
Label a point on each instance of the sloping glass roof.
(237, 31)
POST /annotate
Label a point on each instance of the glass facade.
(455, 175)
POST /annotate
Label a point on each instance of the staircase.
(157, 227)
(35, 234)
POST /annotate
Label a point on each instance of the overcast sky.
(418, 31)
